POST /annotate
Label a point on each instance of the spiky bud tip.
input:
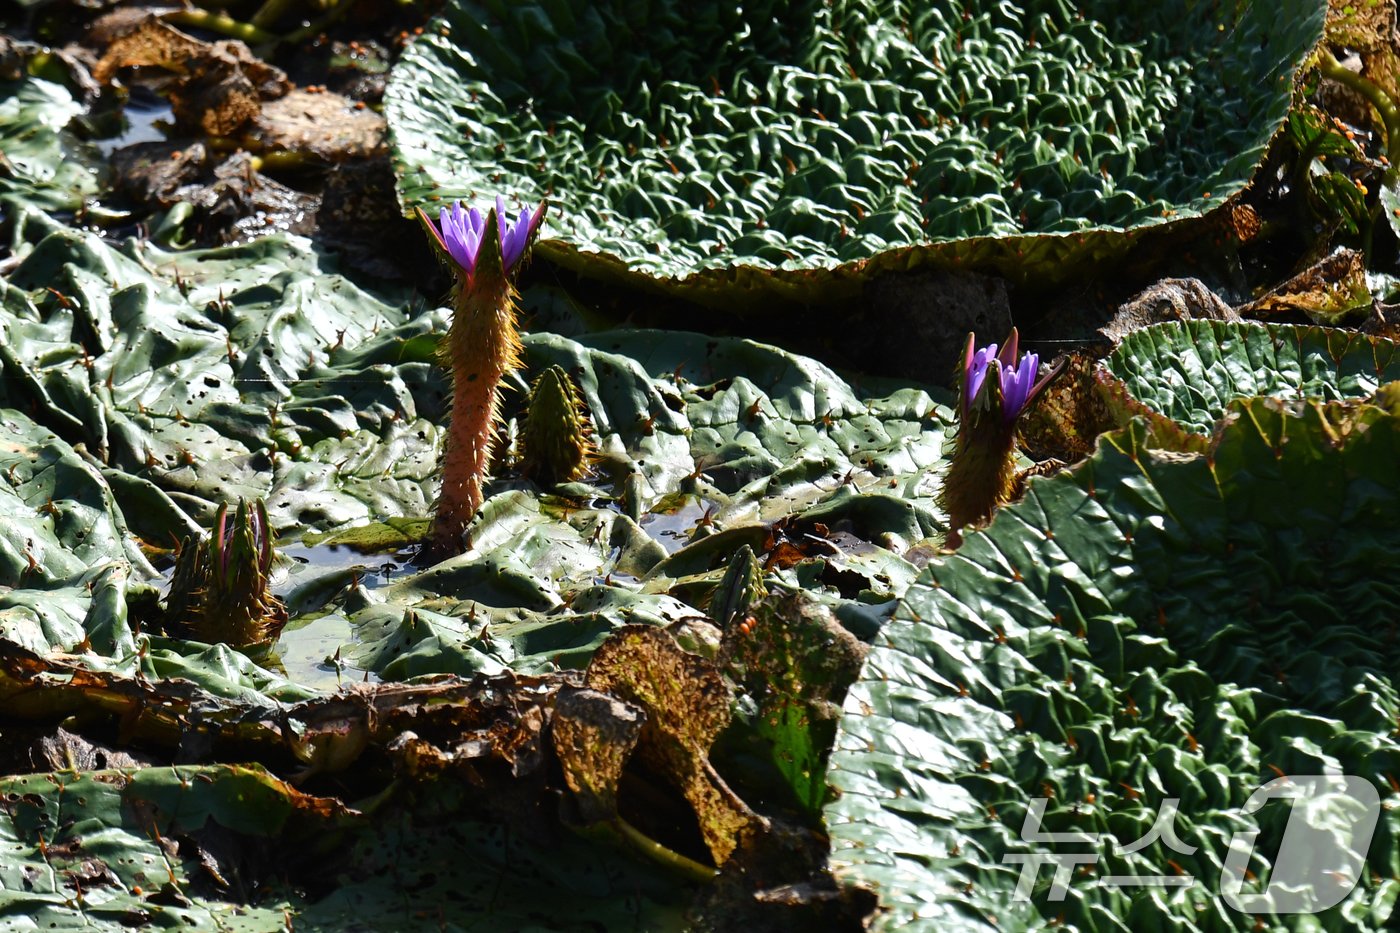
(219, 592)
(558, 438)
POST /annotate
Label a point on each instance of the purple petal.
(1009, 351)
(457, 235)
(512, 245)
(516, 239)
(536, 217)
(501, 226)
(977, 372)
(1016, 385)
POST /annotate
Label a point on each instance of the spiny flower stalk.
(558, 439)
(997, 388)
(219, 591)
(482, 346)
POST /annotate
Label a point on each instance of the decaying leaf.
(1368, 28)
(1328, 292)
(594, 735)
(157, 172)
(62, 750)
(323, 124)
(1383, 321)
(221, 85)
(1168, 300)
(1084, 402)
(687, 705)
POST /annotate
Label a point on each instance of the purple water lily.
(982, 476)
(1016, 379)
(460, 231)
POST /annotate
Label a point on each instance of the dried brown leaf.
(687, 706)
(324, 124)
(594, 735)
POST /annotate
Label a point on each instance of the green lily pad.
(43, 166)
(196, 847)
(1150, 627)
(255, 371)
(795, 149)
(1191, 370)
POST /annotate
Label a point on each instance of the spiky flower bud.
(739, 589)
(997, 388)
(482, 346)
(558, 439)
(219, 591)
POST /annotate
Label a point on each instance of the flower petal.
(456, 236)
(977, 374)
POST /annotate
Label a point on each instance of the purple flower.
(1017, 380)
(460, 232)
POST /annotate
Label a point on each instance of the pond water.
(313, 645)
(311, 648)
(144, 119)
(673, 528)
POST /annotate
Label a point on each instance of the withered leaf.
(1328, 291)
(222, 84)
(323, 124)
(687, 705)
(594, 735)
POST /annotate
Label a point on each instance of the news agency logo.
(1331, 820)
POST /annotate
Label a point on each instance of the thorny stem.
(482, 345)
(982, 476)
(1385, 105)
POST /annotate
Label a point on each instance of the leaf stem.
(269, 13)
(316, 27)
(221, 23)
(659, 853)
(1385, 105)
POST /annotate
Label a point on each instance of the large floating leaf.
(704, 444)
(1191, 370)
(219, 373)
(756, 146)
(57, 514)
(191, 378)
(1149, 626)
(41, 164)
